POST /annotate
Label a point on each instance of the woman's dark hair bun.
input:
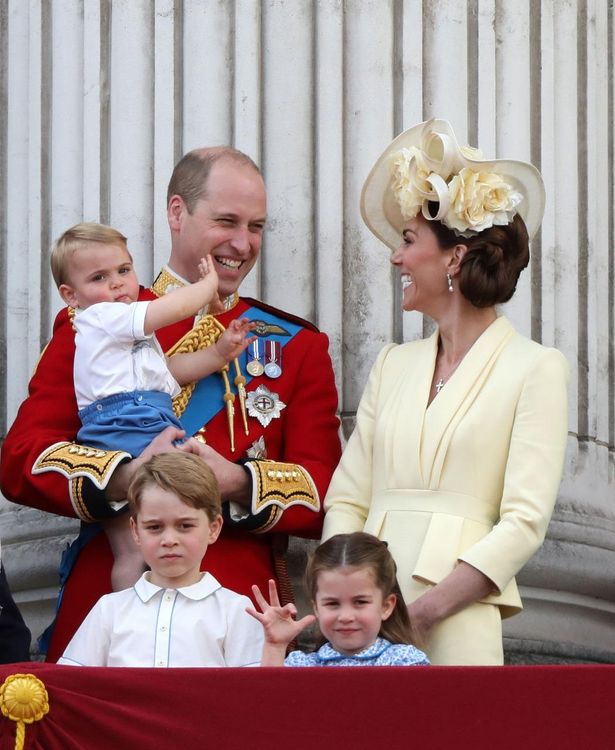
(490, 268)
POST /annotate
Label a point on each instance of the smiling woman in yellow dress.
(459, 443)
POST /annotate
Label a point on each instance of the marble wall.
(98, 98)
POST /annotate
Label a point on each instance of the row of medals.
(264, 357)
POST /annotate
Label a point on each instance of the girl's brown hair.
(361, 550)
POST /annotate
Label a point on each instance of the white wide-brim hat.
(379, 206)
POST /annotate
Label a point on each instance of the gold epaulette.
(165, 283)
(73, 460)
(278, 485)
(205, 333)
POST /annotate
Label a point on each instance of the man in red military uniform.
(267, 425)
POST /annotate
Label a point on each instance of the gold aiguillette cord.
(229, 398)
(240, 383)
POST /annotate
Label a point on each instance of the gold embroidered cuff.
(73, 460)
(281, 485)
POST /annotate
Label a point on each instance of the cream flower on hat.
(480, 200)
(469, 200)
(410, 184)
(424, 169)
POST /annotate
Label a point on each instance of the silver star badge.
(264, 405)
(257, 449)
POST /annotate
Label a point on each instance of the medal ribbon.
(208, 396)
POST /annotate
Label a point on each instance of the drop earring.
(449, 281)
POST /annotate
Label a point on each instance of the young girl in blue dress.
(352, 583)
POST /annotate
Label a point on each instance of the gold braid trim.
(74, 460)
(279, 486)
(275, 514)
(165, 282)
(204, 334)
(75, 488)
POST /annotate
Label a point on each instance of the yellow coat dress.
(473, 476)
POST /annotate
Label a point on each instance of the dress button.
(163, 628)
(139, 398)
(99, 407)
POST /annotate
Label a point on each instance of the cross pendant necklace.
(443, 379)
(440, 383)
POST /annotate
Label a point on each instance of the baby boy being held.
(124, 384)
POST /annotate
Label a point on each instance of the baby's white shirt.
(113, 355)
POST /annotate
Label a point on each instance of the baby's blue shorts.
(126, 421)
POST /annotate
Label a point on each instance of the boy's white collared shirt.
(202, 625)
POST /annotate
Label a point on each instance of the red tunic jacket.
(286, 496)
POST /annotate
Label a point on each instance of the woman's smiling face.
(422, 265)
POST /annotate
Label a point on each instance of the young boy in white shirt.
(175, 615)
(124, 384)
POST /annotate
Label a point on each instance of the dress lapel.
(403, 404)
(454, 400)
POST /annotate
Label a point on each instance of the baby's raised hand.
(278, 622)
(206, 267)
(235, 339)
(208, 280)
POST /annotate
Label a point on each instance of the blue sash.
(208, 395)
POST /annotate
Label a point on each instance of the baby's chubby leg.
(128, 564)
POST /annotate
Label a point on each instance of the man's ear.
(175, 212)
(457, 256)
(68, 295)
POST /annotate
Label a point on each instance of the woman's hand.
(462, 587)
(423, 617)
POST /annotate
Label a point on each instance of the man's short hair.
(189, 178)
(184, 474)
(76, 238)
